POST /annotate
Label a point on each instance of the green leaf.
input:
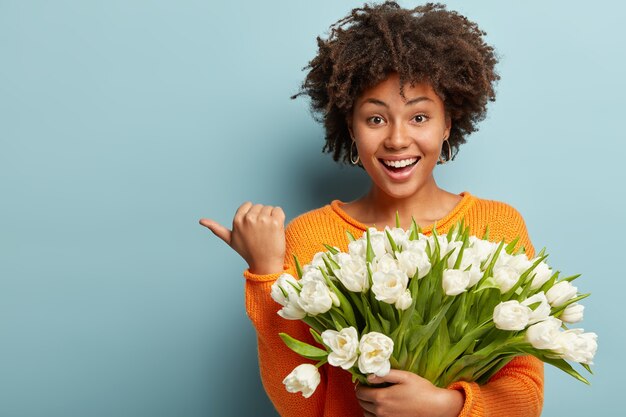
(369, 255)
(450, 233)
(394, 247)
(314, 323)
(350, 236)
(557, 311)
(298, 267)
(436, 350)
(423, 334)
(373, 324)
(344, 304)
(317, 337)
(565, 367)
(385, 324)
(550, 282)
(332, 250)
(525, 276)
(509, 248)
(458, 348)
(486, 234)
(303, 349)
(330, 263)
(338, 320)
(572, 278)
(415, 230)
(356, 301)
(398, 219)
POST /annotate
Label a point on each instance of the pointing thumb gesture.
(258, 235)
(217, 229)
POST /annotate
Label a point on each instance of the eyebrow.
(408, 103)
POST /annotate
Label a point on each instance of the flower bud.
(561, 293)
(304, 378)
(511, 315)
(573, 313)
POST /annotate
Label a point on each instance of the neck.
(425, 206)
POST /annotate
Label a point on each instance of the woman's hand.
(410, 395)
(258, 235)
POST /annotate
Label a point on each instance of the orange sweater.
(515, 391)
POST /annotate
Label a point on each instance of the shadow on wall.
(320, 179)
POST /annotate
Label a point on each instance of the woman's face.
(399, 139)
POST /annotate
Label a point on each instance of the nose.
(398, 137)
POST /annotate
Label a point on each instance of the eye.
(375, 120)
(420, 118)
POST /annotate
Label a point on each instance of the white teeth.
(400, 164)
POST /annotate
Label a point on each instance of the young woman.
(398, 91)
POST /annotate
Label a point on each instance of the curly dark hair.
(424, 44)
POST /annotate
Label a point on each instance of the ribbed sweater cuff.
(265, 277)
(473, 404)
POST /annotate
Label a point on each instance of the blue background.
(124, 122)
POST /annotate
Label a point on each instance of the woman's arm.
(276, 360)
(258, 235)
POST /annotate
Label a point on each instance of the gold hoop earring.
(354, 160)
(441, 160)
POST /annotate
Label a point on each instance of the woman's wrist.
(453, 402)
(268, 268)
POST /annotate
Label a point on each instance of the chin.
(399, 192)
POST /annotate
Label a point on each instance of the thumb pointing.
(217, 229)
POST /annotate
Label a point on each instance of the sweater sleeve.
(517, 389)
(276, 360)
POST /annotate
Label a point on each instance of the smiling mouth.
(399, 166)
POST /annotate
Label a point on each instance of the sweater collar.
(442, 224)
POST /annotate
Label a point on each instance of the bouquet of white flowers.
(448, 308)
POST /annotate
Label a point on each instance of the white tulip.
(389, 286)
(520, 263)
(315, 264)
(291, 308)
(542, 311)
(573, 313)
(542, 275)
(454, 281)
(376, 349)
(561, 293)
(446, 246)
(475, 275)
(469, 258)
(285, 282)
(411, 261)
(400, 238)
(511, 315)
(578, 346)
(483, 249)
(404, 301)
(357, 248)
(505, 277)
(544, 335)
(311, 274)
(352, 272)
(386, 263)
(315, 296)
(344, 345)
(304, 378)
